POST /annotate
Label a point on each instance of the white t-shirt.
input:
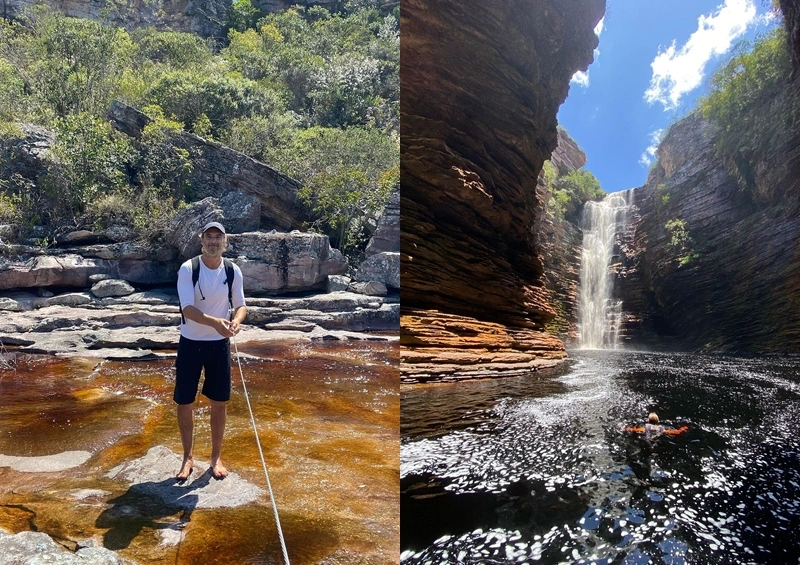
(211, 285)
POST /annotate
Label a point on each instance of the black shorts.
(193, 356)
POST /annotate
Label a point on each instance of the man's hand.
(234, 327)
(223, 327)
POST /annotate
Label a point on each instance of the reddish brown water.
(328, 421)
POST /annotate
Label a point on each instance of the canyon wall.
(560, 242)
(733, 284)
(481, 83)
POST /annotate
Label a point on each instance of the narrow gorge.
(705, 256)
(481, 86)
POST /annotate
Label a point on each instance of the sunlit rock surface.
(482, 83)
(154, 474)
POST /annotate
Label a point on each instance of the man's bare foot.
(218, 470)
(186, 469)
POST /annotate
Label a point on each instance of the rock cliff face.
(482, 82)
(560, 242)
(735, 284)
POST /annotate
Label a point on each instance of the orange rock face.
(481, 83)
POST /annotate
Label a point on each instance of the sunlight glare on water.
(552, 478)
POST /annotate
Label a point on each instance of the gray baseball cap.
(210, 225)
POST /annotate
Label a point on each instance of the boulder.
(387, 235)
(112, 287)
(187, 223)
(338, 283)
(63, 271)
(381, 267)
(371, 288)
(70, 299)
(150, 473)
(280, 262)
(242, 212)
(38, 547)
(218, 170)
(10, 305)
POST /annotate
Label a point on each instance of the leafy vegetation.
(680, 242)
(568, 192)
(748, 104)
(313, 93)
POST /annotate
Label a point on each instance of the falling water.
(599, 313)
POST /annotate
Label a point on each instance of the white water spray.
(599, 313)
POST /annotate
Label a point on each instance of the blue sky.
(654, 60)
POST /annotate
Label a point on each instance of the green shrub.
(750, 105)
(187, 95)
(91, 160)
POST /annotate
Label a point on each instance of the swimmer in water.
(653, 428)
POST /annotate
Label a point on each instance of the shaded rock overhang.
(482, 83)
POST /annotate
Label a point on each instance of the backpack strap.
(229, 274)
(229, 279)
(195, 278)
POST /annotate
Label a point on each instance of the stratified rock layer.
(482, 83)
(736, 285)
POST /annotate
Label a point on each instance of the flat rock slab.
(37, 547)
(45, 463)
(154, 474)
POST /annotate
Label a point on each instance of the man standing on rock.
(206, 300)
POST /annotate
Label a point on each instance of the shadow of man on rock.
(153, 505)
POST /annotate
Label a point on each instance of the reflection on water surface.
(537, 470)
(328, 417)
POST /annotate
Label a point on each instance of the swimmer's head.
(653, 418)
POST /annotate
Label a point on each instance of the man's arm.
(220, 325)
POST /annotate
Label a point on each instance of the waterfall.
(599, 312)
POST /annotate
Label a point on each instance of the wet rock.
(154, 474)
(45, 463)
(112, 287)
(37, 547)
(100, 277)
(292, 324)
(381, 267)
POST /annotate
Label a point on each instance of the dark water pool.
(538, 469)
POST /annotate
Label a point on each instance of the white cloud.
(679, 71)
(598, 29)
(650, 154)
(581, 78)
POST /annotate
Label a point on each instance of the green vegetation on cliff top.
(314, 94)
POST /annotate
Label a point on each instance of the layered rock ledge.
(146, 324)
(482, 83)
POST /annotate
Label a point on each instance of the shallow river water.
(539, 469)
(328, 419)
